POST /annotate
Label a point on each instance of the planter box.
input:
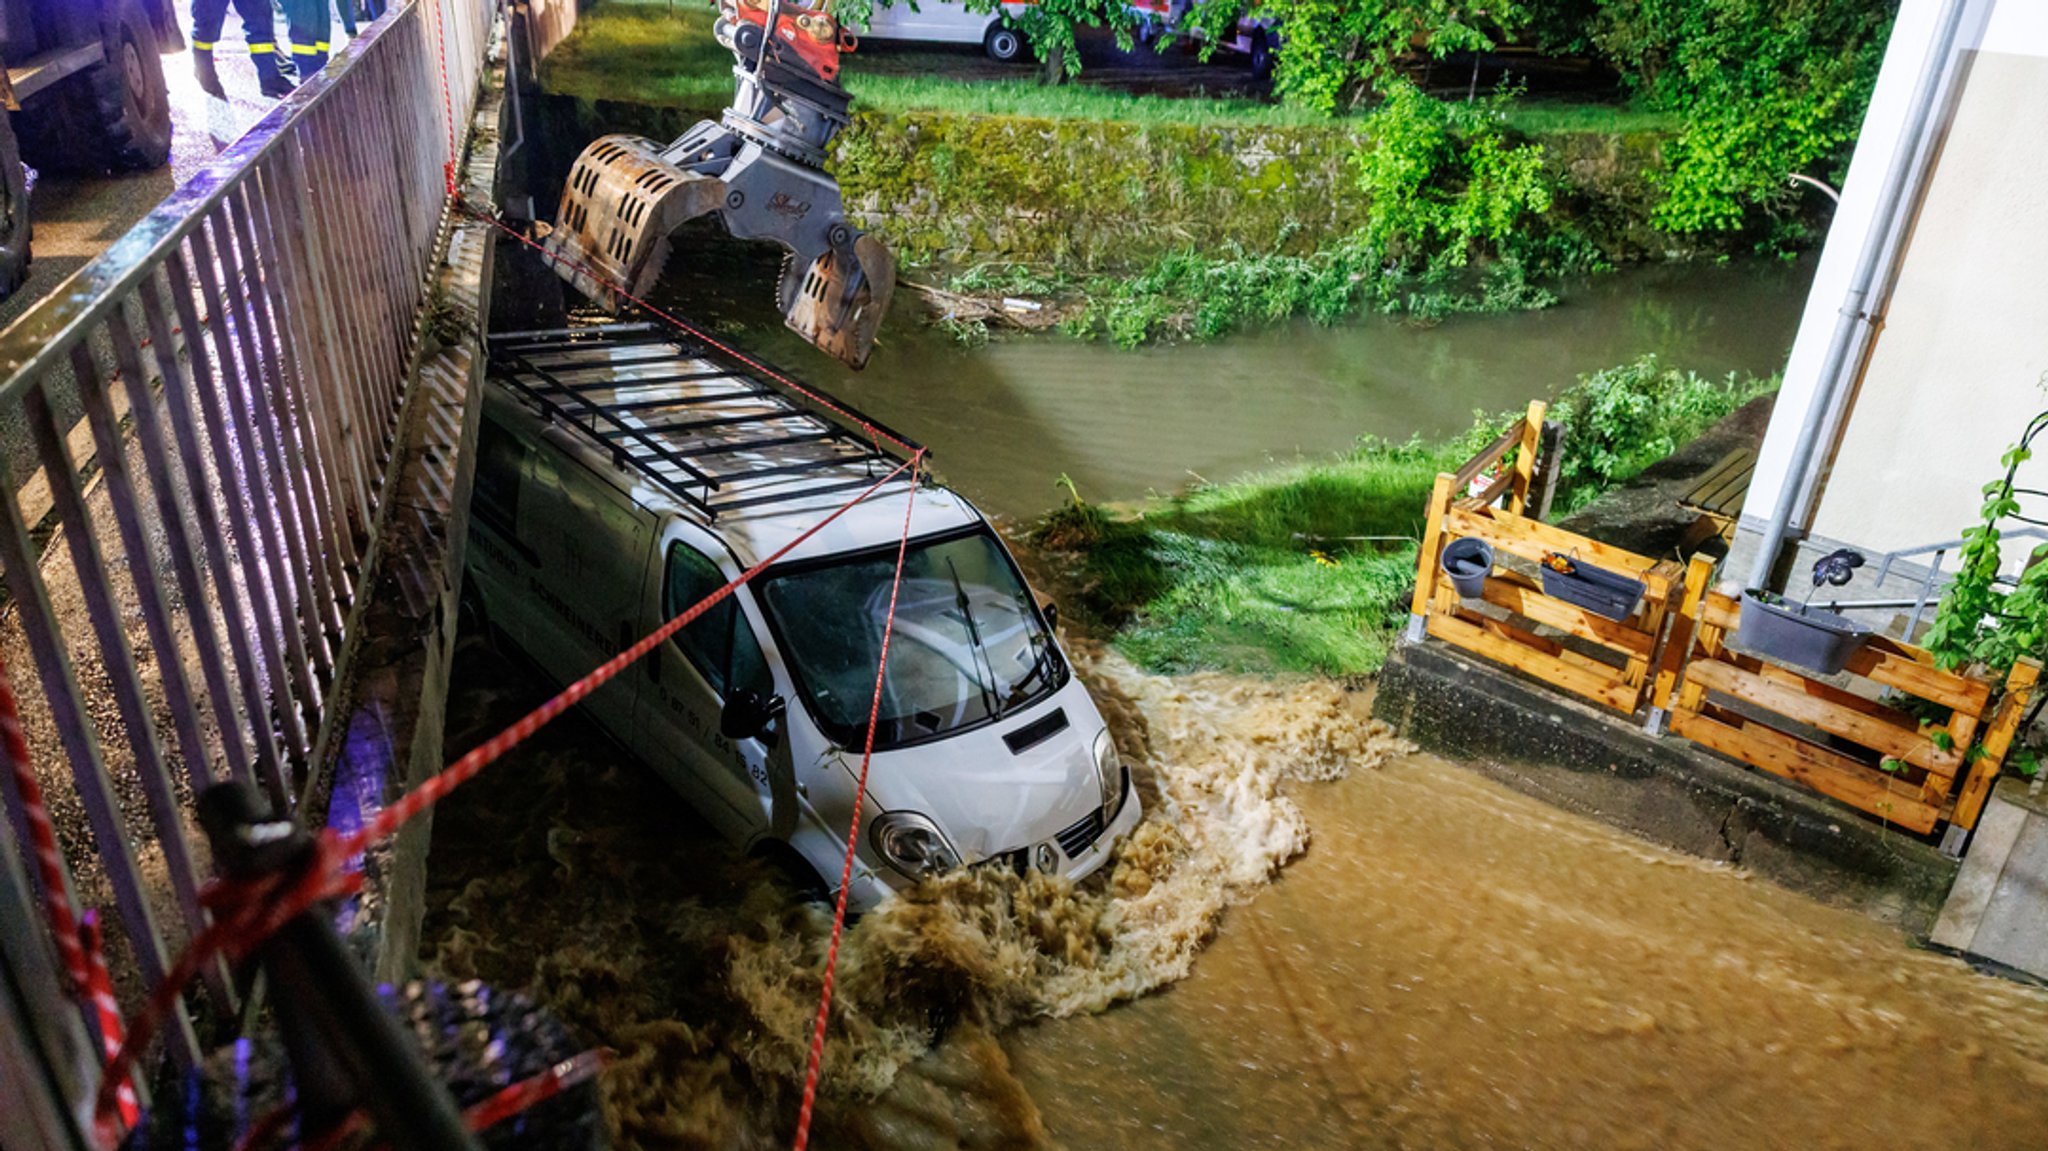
(1819, 641)
(1602, 592)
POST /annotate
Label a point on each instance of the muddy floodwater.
(1317, 939)
(1005, 420)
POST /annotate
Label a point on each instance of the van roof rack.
(641, 393)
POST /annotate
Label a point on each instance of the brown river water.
(1006, 420)
(1318, 938)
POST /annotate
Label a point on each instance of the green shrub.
(1621, 420)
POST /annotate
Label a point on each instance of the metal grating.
(653, 399)
(1081, 836)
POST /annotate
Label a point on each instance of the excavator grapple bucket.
(618, 208)
(760, 166)
(840, 302)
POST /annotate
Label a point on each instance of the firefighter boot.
(268, 77)
(202, 66)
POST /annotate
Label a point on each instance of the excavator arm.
(760, 166)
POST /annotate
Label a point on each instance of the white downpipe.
(1870, 286)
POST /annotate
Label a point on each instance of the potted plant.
(1604, 593)
(1818, 639)
(1468, 562)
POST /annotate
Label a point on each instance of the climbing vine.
(1977, 622)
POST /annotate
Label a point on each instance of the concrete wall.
(1954, 373)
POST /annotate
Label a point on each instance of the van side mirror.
(1051, 612)
(748, 714)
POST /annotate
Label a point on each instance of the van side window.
(719, 644)
(500, 458)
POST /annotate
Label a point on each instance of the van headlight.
(1109, 774)
(912, 844)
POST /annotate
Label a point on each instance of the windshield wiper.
(988, 695)
(1041, 664)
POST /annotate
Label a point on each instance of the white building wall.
(1957, 371)
(1952, 376)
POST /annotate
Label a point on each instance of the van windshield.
(969, 647)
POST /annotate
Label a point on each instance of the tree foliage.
(1336, 53)
(1764, 88)
(1446, 181)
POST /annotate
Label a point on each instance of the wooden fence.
(1607, 661)
(1894, 736)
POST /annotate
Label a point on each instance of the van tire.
(795, 872)
(1002, 43)
(1262, 54)
(15, 225)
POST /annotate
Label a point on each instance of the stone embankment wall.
(1091, 196)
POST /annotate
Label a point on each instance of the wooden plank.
(1432, 543)
(1678, 646)
(1487, 457)
(1719, 492)
(1887, 665)
(1525, 456)
(1519, 594)
(1532, 541)
(1849, 699)
(2020, 686)
(1501, 483)
(1823, 771)
(1895, 736)
(1491, 645)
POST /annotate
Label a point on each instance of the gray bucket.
(1468, 562)
(1818, 640)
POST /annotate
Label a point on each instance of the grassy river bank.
(1307, 568)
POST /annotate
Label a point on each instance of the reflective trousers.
(311, 25)
(258, 29)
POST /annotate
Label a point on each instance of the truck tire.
(1002, 43)
(14, 217)
(114, 116)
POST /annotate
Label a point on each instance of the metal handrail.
(258, 328)
(1931, 581)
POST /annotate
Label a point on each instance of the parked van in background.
(948, 22)
(622, 476)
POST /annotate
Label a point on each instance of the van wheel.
(1002, 43)
(794, 871)
(1262, 54)
(14, 216)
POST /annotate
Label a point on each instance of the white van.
(948, 22)
(623, 474)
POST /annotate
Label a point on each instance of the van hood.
(986, 797)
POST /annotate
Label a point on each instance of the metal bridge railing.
(199, 425)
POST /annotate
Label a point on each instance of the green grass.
(1547, 118)
(1267, 574)
(655, 52)
(1308, 568)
